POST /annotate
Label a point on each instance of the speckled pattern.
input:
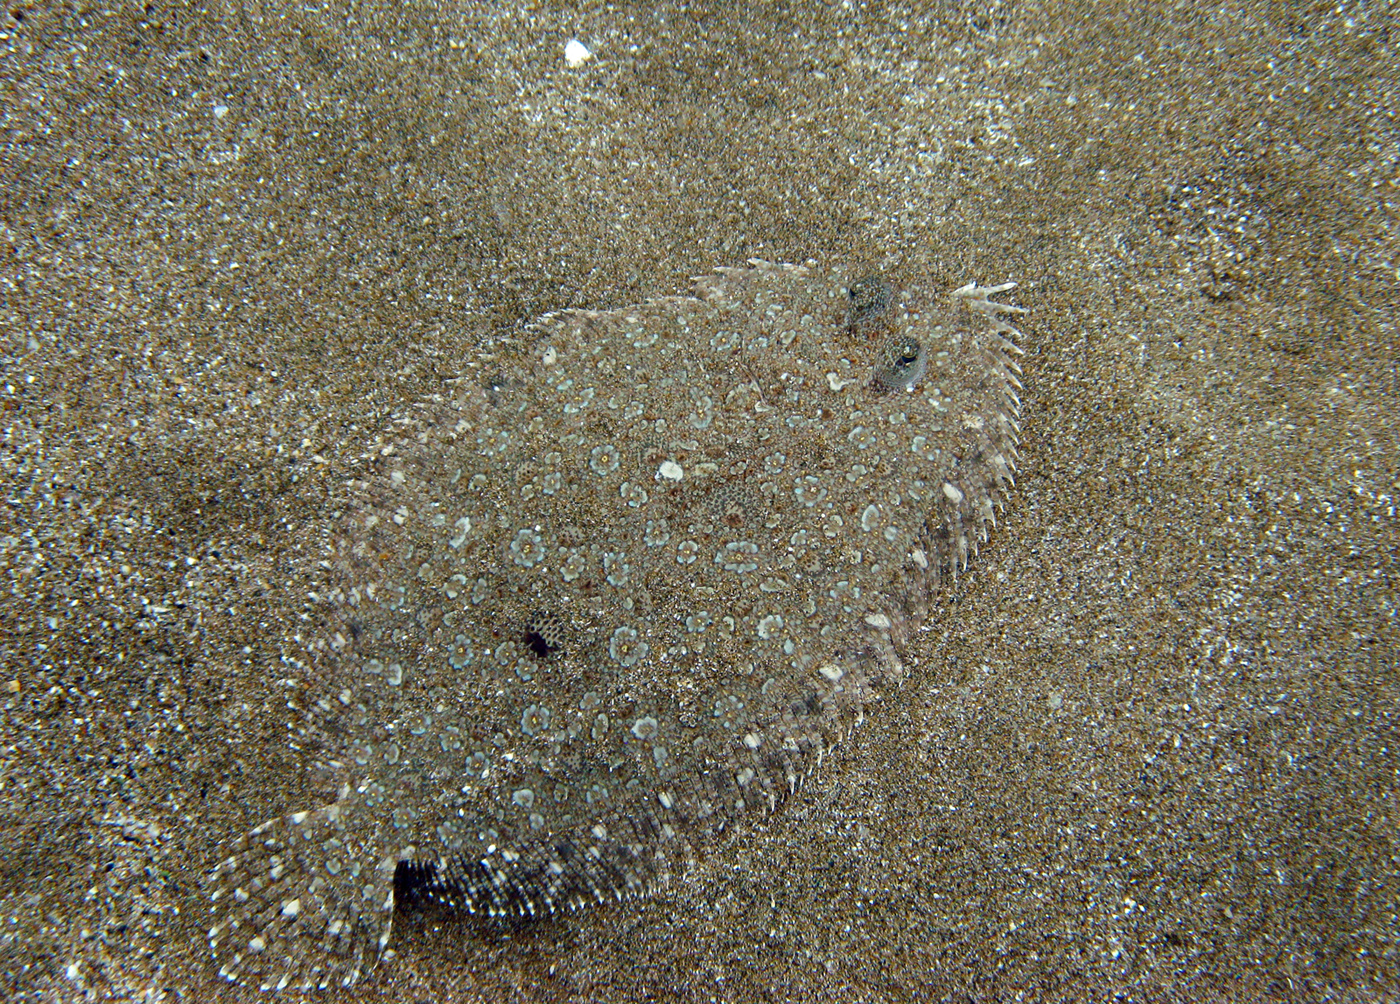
(1144, 748)
(597, 607)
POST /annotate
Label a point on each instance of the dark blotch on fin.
(412, 882)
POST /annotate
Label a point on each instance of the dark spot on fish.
(544, 634)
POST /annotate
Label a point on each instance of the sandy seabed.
(1148, 750)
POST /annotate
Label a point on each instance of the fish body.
(622, 596)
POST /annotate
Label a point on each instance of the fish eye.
(900, 365)
(869, 296)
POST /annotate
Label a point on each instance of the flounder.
(589, 613)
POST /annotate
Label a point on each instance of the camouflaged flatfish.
(594, 608)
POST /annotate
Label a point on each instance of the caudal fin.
(301, 901)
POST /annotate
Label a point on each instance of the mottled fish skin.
(596, 609)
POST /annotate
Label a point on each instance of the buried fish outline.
(587, 616)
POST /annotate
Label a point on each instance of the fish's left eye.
(869, 298)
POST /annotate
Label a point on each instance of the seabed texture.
(1144, 746)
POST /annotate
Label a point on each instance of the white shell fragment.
(576, 53)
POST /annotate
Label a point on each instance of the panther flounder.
(620, 596)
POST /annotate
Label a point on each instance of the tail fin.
(302, 901)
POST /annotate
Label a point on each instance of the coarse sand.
(1147, 748)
